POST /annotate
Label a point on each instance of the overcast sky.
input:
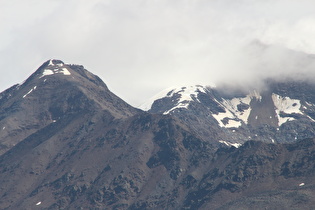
(139, 47)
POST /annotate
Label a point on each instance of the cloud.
(140, 47)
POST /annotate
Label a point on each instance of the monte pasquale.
(68, 142)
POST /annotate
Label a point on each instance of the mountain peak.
(53, 62)
(181, 95)
(55, 67)
(55, 91)
(57, 70)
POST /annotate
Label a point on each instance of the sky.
(140, 47)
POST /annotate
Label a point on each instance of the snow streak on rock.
(237, 145)
(31, 90)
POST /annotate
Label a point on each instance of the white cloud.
(139, 47)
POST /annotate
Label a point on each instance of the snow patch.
(310, 118)
(308, 104)
(63, 71)
(181, 105)
(34, 88)
(237, 145)
(28, 93)
(234, 116)
(302, 184)
(3, 128)
(287, 106)
(47, 72)
(37, 204)
(232, 106)
(231, 121)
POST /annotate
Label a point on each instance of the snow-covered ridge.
(231, 118)
(186, 94)
(236, 111)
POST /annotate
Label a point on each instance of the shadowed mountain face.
(88, 162)
(67, 142)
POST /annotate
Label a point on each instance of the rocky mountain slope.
(280, 112)
(55, 91)
(69, 143)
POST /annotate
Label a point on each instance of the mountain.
(282, 111)
(69, 143)
(56, 91)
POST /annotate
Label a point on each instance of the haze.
(140, 47)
